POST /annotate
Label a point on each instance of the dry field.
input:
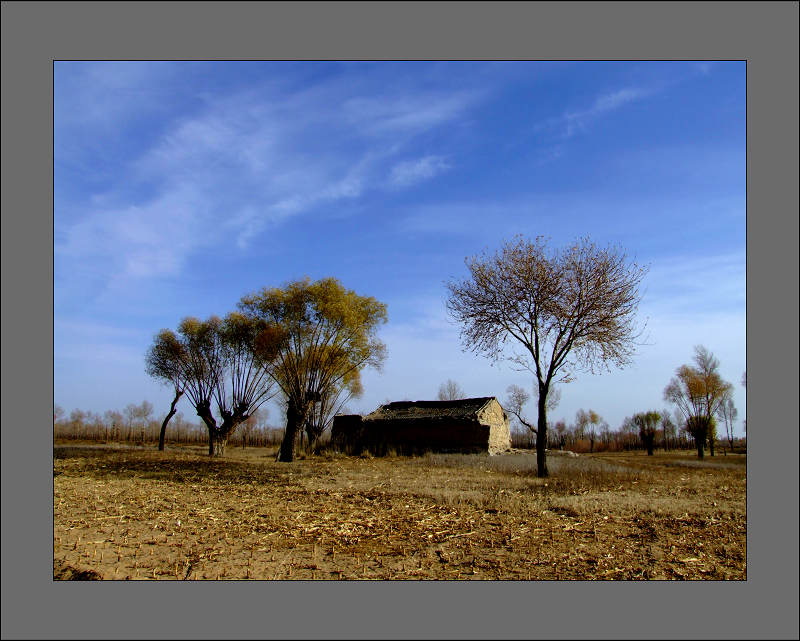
(133, 513)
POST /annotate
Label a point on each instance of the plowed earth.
(124, 513)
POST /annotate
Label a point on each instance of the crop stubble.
(143, 514)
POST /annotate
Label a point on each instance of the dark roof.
(461, 408)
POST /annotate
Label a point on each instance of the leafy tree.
(715, 390)
(698, 427)
(167, 371)
(647, 422)
(568, 309)
(324, 335)
(450, 391)
(220, 361)
(699, 391)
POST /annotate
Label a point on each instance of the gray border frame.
(35, 33)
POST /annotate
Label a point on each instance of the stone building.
(414, 427)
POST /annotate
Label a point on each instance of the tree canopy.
(318, 337)
(698, 391)
(220, 361)
(647, 422)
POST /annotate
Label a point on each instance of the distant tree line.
(135, 425)
(702, 401)
(626, 438)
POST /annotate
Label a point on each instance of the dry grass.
(141, 514)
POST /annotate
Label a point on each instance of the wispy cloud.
(571, 123)
(407, 114)
(690, 286)
(703, 68)
(410, 172)
(231, 167)
(577, 121)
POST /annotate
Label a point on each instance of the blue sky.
(181, 186)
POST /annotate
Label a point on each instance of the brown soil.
(142, 514)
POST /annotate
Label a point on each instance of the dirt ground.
(135, 513)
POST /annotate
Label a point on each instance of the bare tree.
(450, 391)
(332, 402)
(728, 413)
(605, 433)
(250, 423)
(667, 428)
(594, 422)
(627, 433)
(518, 397)
(581, 422)
(143, 413)
(568, 309)
(112, 420)
(131, 412)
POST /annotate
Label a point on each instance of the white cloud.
(571, 123)
(703, 68)
(231, 168)
(404, 114)
(695, 287)
(410, 172)
(578, 120)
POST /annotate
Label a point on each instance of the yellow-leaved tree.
(698, 392)
(320, 337)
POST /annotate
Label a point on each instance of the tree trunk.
(700, 442)
(649, 444)
(294, 421)
(541, 435)
(172, 410)
(711, 445)
(218, 436)
(218, 443)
